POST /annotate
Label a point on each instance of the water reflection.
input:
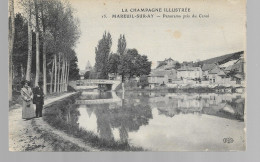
(162, 121)
(115, 123)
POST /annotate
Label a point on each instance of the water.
(165, 121)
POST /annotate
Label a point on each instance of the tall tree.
(113, 63)
(44, 46)
(29, 21)
(102, 53)
(20, 51)
(37, 31)
(121, 46)
(11, 43)
(121, 49)
(55, 74)
(73, 67)
(56, 31)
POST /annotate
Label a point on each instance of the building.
(186, 63)
(217, 75)
(188, 72)
(87, 68)
(166, 64)
(206, 68)
(161, 77)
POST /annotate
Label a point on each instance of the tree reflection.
(129, 117)
(103, 121)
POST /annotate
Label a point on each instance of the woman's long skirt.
(28, 112)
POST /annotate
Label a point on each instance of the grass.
(57, 143)
(53, 116)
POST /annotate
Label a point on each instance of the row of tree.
(126, 62)
(46, 33)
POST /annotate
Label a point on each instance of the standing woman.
(27, 96)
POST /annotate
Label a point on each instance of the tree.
(20, 51)
(124, 67)
(43, 19)
(37, 30)
(143, 66)
(113, 63)
(56, 33)
(121, 46)
(133, 64)
(177, 65)
(60, 32)
(28, 8)
(11, 43)
(87, 75)
(143, 81)
(73, 69)
(102, 53)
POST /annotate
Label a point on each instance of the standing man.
(38, 99)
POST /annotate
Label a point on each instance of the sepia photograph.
(127, 75)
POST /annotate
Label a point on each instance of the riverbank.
(48, 134)
(36, 135)
(188, 89)
(60, 116)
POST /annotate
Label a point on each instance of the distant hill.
(222, 59)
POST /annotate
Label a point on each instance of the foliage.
(74, 70)
(177, 65)
(133, 64)
(20, 47)
(121, 46)
(102, 54)
(87, 75)
(113, 62)
(59, 32)
(143, 81)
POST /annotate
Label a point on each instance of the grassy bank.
(57, 116)
(57, 143)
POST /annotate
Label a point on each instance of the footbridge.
(94, 83)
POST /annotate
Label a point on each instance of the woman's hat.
(25, 81)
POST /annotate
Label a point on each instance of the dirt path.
(24, 137)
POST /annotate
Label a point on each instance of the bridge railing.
(98, 81)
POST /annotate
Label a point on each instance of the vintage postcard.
(127, 75)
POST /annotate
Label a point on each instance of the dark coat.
(38, 96)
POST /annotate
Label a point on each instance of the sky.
(190, 39)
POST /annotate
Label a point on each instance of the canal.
(162, 121)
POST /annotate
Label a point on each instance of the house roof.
(188, 68)
(228, 68)
(218, 71)
(162, 73)
(221, 73)
(236, 66)
(206, 67)
(170, 59)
